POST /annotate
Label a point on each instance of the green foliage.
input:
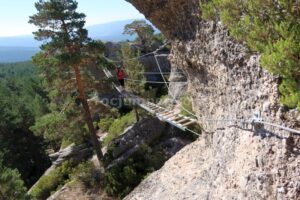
(67, 53)
(87, 174)
(134, 70)
(164, 97)
(160, 38)
(48, 125)
(144, 31)
(122, 179)
(107, 121)
(146, 39)
(290, 93)
(187, 105)
(61, 25)
(119, 125)
(11, 184)
(60, 129)
(17, 69)
(52, 182)
(64, 122)
(188, 111)
(271, 28)
(22, 100)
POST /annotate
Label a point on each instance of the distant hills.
(110, 31)
(22, 48)
(19, 41)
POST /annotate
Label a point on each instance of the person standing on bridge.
(121, 75)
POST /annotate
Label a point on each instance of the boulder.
(144, 132)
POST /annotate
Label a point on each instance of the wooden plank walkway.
(174, 118)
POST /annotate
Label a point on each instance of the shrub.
(123, 178)
(65, 143)
(105, 123)
(87, 174)
(119, 125)
(11, 184)
(109, 118)
(52, 182)
(290, 93)
(187, 105)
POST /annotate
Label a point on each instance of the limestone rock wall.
(225, 81)
(233, 164)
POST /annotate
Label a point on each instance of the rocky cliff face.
(225, 82)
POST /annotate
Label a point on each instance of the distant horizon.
(86, 26)
(22, 47)
(14, 17)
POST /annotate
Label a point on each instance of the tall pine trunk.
(89, 121)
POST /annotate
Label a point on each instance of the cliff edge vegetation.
(270, 28)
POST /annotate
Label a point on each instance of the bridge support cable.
(160, 112)
(173, 119)
(279, 126)
(225, 120)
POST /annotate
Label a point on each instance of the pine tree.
(67, 42)
(11, 184)
(143, 30)
(134, 70)
(135, 73)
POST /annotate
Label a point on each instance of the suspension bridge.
(175, 118)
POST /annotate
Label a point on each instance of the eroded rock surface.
(233, 164)
(146, 132)
(225, 81)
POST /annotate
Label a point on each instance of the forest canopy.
(22, 156)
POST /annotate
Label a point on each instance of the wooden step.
(183, 120)
(166, 113)
(155, 109)
(189, 123)
(171, 115)
(150, 105)
(175, 118)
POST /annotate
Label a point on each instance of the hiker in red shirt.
(121, 75)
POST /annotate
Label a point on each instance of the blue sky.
(14, 14)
